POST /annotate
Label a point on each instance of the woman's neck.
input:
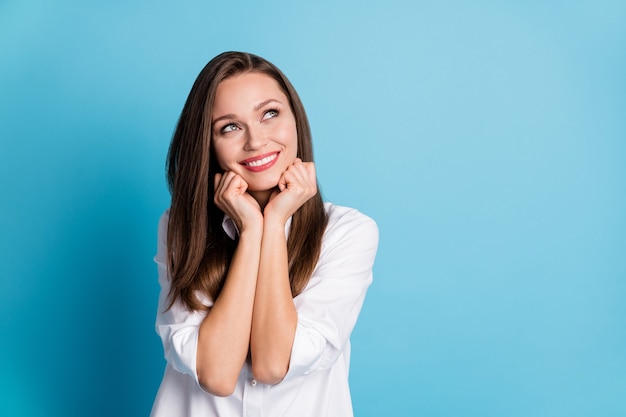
(261, 197)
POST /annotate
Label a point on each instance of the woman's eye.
(269, 114)
(229, 128)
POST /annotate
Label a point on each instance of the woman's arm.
(274, 317)
(224, 335)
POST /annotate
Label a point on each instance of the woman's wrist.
(274, 223)
(251, 231)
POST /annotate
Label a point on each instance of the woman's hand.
(232, 198)
(295, 187)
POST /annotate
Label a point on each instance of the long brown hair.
(199, 251)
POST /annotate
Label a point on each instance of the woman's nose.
(255, 139)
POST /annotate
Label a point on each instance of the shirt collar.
(230, 227)
(232, 231)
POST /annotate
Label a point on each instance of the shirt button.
(253, 382)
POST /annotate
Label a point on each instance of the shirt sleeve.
(178, 327)
(330, 304)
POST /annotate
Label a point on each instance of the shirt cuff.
(181, 347)
(308, 353)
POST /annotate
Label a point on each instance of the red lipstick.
(260, 162)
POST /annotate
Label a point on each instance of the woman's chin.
(261, 186)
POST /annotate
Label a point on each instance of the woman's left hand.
(295, 187)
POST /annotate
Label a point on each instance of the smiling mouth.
(260, 163)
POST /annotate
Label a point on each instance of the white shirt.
(316, 384)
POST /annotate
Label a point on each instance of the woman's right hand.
(232, 198)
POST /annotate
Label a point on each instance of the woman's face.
(254, 129)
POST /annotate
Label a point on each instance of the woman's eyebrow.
(265, 103)
(224, 117)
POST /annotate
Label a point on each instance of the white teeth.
(263, 161)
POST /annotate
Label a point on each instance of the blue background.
(488, 140)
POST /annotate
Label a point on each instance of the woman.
(261, 282)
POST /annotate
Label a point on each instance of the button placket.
(252, 395)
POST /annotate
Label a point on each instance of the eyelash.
(272, 110)
(223, 129)
(275, 111)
